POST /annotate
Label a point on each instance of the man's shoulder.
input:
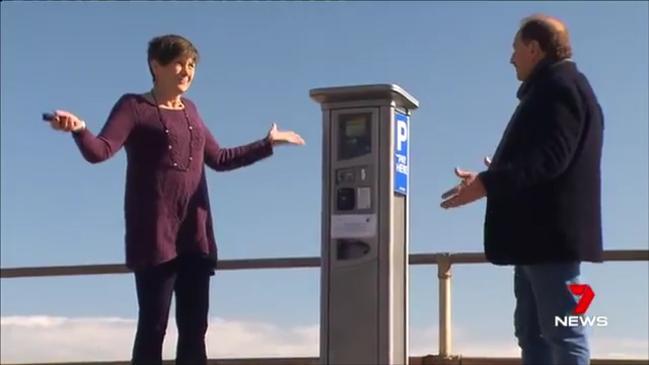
(564, 75)
(561, 82)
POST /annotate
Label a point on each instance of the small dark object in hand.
(48, 117)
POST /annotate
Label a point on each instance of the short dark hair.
(166, 48)
(551, 34)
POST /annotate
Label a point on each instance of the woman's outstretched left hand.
(278, 137)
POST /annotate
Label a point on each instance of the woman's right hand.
(67, 122)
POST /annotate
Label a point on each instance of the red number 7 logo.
(586, 295)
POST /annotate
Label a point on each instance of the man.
(543, 192)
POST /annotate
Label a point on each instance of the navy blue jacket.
(543, 185)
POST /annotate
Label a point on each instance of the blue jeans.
(541, 294)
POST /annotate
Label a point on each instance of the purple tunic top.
(166, 205)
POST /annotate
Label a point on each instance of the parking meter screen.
(355, 138)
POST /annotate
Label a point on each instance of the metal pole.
(445, 331)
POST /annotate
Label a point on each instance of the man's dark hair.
(550, 33)
(167, 48)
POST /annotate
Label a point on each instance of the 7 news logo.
(578, 317)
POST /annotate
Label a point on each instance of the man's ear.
(536, 48)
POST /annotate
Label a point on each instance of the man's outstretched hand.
(467, 191)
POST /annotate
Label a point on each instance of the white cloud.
(45, 338)
(48, 339)
(620, 348)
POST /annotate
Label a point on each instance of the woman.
(169, 238)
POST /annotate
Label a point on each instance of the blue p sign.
(401, 135)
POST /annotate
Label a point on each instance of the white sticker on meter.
(363, 198)
(353, 225)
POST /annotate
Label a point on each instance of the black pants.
(189, 278)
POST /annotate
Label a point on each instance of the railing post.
(445, 330)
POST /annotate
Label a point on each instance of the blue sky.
(258, 62)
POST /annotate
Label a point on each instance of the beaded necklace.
(166, 130)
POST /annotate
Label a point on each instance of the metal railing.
(444, 262)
